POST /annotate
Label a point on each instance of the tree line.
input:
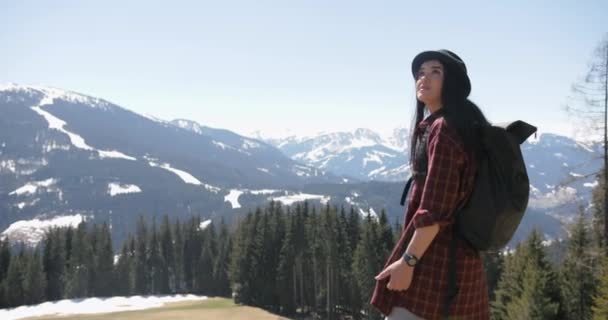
(301, 261)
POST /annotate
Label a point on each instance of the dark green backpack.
(499, 199)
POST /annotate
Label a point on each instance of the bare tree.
(589, 104)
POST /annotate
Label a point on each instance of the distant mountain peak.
(188, 125)
(55, 93)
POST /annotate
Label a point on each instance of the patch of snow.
(371, 158)
(153, 118)
(534, 190)
(350, 201)
(264, 191)
(188, 125)
(263, 170)
(224, 146)
(558, 154)
(117, 188)
(576, 175)
(32, 231)
(233, 198)
(204, 224)
(185, 176)
(532, 166)
(374, 172)
(114, 154)
(291, 199)
(402, 169)
(58, 124)
(9, 165)
(31, 187)
(584, 146)
(591, 184)
(250, 144)
(22, 205)
(372, 212)
(362, 142)
(94, 305)
(554, 198)
(50, 146)
(76, 140)
(299, 172)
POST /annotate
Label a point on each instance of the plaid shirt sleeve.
(441, 187)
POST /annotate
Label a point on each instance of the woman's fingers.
(385, 273)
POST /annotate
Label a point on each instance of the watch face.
(410, 260)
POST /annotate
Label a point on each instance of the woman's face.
(429, 82)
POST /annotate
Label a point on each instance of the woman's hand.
(401, 275)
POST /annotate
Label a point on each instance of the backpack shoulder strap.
(421, 163)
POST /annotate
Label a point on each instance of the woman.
(414, 282)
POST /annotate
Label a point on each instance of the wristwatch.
(410, 259)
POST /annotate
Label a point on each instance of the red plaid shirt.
(449, 180)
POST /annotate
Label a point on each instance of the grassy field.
(213, 308)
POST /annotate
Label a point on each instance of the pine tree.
(167, 257)
(140, 266)
(15, 291)
(348, 295)
(239, 269)
(155, 264)
(204, 270)
(367, 264)
(286, 271)
(178, 264)
(386, 237)
(54, 263)
(93, 236)
(353, 228)
(600, 300)
(220, 268)
(493, 264)
(77, 276)
(260, 261)
(188, 257)
(578, 272)
(104, 263)
(5, 259)
(313, 262)
(123, 270)
(329, 239)
(305, 279)
(34, 283)
(528, 287)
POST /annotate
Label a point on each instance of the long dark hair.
(458, 111)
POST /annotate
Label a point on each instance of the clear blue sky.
(300, 65)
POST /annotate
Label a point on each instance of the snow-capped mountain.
(71, 155)
(361, 154)
(67, 157)
(561, 170)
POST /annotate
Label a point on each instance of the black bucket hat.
(451, 61)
